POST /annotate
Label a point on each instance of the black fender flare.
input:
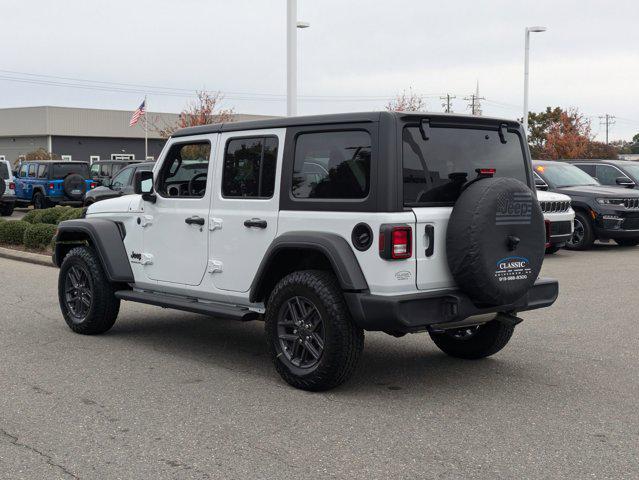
(334, 247)
(105, 236)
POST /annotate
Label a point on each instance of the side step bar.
(188, 305)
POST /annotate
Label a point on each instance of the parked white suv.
(7, 189)
(323, 227)
(559, 218)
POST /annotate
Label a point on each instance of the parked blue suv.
(45, 183)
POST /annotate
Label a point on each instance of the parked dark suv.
(45, 183)
(615, 173)
(102, 171)
(121, 184)
(601, 212)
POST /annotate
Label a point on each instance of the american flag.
(137, 114)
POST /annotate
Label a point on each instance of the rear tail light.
(486, 172)
(92, 185)
(51, 186)
(395, 242)
(12, 186)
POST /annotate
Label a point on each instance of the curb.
(28, 257)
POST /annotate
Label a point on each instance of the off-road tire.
(588, 233)
(6, 210)
(343, 340)
(552, 249)
(39, 201)
(627, 242)
(104, 307)
(486, 341)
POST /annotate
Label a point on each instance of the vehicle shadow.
(387, 364)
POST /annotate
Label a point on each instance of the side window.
(607, 175)
(184, 170)
(105, 170)
(32, 170)
(23, 170)
(588, 168)
(122, 179)
(43, 171)
(249, 167)
(332, 165)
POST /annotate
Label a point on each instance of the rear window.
(435, 170)
(61, 170)
(4, 171)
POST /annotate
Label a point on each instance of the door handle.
(194, 220)
(430, 236)
(255, 222)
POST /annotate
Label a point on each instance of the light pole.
(291, 55)
(526, 55)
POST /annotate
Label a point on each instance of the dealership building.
(82, 133)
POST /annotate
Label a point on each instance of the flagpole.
(146, 130)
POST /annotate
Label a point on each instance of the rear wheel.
(87, 298)
(627, 242)
(6, 210)
(312, 340)
(39, 202)
(474, 342)
(583, 235)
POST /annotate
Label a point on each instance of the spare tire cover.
(3, 187)
(496, 241)
(74, 186)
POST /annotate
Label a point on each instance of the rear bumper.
(8, 200)
(421, 311)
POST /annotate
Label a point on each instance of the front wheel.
(311, 337)
(474, 342)
(627, 242)
(583, 235)
(87, 298)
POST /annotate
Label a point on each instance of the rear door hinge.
(145, 220)
(146, 259)
(215, 266)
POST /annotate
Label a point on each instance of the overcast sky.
(356, 55)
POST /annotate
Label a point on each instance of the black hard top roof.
(362, 117)
(56, 161)
(617, 161)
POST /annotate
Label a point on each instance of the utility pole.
(607, 120)
(446, 104)
(475, 102)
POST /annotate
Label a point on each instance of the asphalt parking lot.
(174, 395)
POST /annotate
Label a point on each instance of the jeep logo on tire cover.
(514, 208)
(512, 268)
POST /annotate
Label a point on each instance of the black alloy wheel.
(301, 334)
(78, 293)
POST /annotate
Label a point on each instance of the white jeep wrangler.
(323, 227)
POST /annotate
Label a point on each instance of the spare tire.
(74, 186)
(496, 241)
(3, 187)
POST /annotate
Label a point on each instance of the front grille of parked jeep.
(555, 206)
(631, 203)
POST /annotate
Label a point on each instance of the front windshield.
(564, 175)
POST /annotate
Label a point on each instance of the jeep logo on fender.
(512, 268)
(136, 257)
(514, 209)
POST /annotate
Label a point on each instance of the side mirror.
(143, 185)
(540, 184)
(625, 182)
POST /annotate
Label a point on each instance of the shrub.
(50, 216)
(39, 236)
(34, 216)
(12, 233)
(71, 214)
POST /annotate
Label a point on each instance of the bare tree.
(204, 110)
(407, 102)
